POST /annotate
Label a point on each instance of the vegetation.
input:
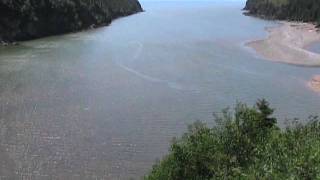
(244, 144)
(29, 19)
(295, 10)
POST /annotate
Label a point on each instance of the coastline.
(314, 83)
(28, 21)
(288, 44)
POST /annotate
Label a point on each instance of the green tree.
(244, 144)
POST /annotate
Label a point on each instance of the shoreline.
(314, 83)
(288, 44)
(78, 17)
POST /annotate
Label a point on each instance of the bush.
(244, 144)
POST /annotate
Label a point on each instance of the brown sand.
(314, 84)
(287, 44)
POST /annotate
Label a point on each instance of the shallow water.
(105, 103)
(315, 47)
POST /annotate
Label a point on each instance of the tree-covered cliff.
(295, 10)
(29, 19)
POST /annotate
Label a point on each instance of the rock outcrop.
(29, 19)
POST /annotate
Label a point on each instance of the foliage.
(244, 144)
(296, 10)
(28, 19)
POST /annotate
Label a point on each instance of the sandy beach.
(287, 44)
(314, 84)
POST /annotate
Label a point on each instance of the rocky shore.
(29, 19)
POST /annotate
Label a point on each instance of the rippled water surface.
(105, 103)
(315, 47)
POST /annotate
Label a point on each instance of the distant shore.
(287, 43)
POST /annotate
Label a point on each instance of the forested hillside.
(28, 19)
(295, 10)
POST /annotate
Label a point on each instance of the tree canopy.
(245, 143)
(295, 10)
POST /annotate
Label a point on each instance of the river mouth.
(106, 103)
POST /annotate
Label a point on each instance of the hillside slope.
(295, 10)
(29, 19)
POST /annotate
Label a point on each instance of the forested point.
(245, 143)
(293, 10)
(29, 19)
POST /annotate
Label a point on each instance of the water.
(315, 47)
(105, 103)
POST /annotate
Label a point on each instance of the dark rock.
(29, 19)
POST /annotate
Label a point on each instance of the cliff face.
(295, 10)
(29, 19)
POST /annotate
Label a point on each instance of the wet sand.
(314, 84)
(287, 44)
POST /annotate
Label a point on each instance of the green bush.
(244, 144)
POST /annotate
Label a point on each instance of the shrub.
(244, 144)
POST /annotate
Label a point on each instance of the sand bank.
(314, 84)
(287, 44)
